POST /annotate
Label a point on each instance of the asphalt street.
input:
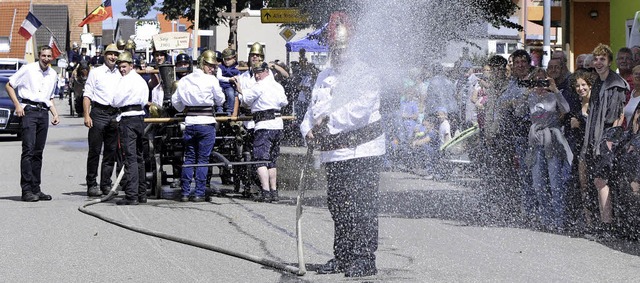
(429, 232)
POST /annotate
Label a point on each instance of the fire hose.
(252, 258)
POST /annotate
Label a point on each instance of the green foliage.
(174, 9)
(137, 9)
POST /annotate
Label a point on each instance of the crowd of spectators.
(556, 150)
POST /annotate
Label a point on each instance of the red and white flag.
(55, 50)
(29, 26)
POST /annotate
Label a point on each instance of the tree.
(443, 20)
(175, 9)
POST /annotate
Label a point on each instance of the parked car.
(9, 122)
(11, 63)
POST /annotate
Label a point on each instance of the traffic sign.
(287, 34)
(281, 16)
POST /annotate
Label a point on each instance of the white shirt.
(631, 107)
(351, 115)
(265, 95)
(101, 84)
(130, 90)
(197, 89)
(34, 84)
(246, 81)
(445, 132)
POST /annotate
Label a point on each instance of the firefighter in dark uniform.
(130, 99)
(99, 90)
(344, 123)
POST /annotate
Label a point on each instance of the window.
(511, 47)
(500, 48)
(182, 28)
(5, 44)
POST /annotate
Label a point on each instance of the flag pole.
(34, 42)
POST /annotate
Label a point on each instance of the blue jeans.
(548, 185)
(198, 144)
(230, 98)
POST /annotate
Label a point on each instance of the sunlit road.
(429, 232)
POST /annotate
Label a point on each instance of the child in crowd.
(444, 129)
(426, 144)
(226, 74)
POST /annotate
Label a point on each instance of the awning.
(311, 42)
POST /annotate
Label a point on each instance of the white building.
(250, 30)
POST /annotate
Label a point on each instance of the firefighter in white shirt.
(343, 121)
(265, 98)
(98, 114)
(197, 95)
(35, 84)
(130, 98)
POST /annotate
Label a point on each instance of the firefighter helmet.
(125, 57)
(120, 44)
(228, 53)
(339, 30)
(209, 57)
(257, 48)
(111, 48)
(130, 45)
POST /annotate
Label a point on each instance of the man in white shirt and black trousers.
(130, 98)
(98, 115)
(344, 122)
(36, 85)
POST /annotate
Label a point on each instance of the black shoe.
(332, 266)
(93, 191)
(43, 196)
(142, 199)
(261, 196)
(274, 196)
(184, 198)
(198, 199)
(126, 201)
(105, 190)
(361, 268)
(30, 197)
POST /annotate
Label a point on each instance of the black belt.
(39, 105)
(129, 108)
(265, 115)
(107, 108)
(350, 139)
(199, 111)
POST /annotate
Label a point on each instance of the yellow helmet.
(207, 56)
(120, 44)
(125, 57)
(257, 48)
(111, 48)
(130, 45)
